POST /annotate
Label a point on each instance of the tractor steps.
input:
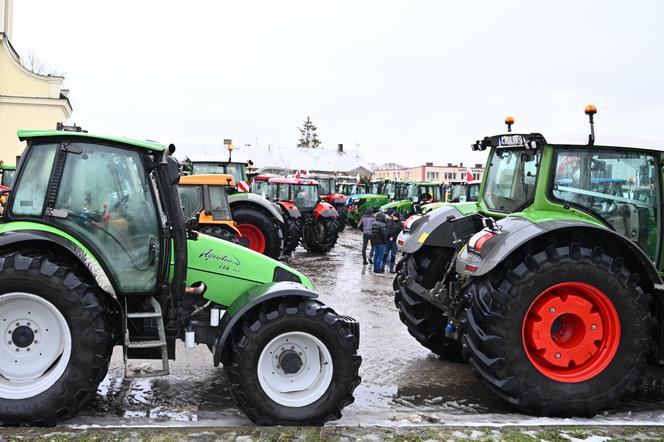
(160, 342)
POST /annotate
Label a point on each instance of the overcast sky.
(410, 81)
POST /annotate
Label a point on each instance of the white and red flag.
(469, 174)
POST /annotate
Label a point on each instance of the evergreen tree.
(308, 136)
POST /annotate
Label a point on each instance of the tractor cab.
(303, 193)
(206, 197)
(462, 191)
(6, 175)
(205, 165)
(327, 186)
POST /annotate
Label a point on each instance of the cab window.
(105, 198)
(191, 198)
(31, 191)
(620, 187)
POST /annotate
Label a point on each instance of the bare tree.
(33, 63)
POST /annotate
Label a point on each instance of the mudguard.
(290, 209)
(252, 198)
(248, 301)
(325, 210)
(434, 229)
(513, 232)
(15, 237)
(336, 198)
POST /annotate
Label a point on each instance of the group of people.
(381, 230)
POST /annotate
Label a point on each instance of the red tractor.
(327, 188)
(309, 220)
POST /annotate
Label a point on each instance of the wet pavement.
(403, 384)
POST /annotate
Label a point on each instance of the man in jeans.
(379, 241)
(364, 225)
(393, 230)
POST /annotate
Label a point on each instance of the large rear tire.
(292, 234)
(341, 219)
(425, 322)
(261, 230)
(293, 362)
(221, 232)
(564, 332)
(59, 337)
(321, 236)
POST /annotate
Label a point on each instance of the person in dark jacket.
(393, 230)
(379, 241)
(364, 225)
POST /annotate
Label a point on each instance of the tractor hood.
(229, 270)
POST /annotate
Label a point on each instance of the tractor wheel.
(58, 338)
(261, 231)
(564, 332)
(341, 220)
(293, 362)
(322, 235)
(292, 234)
(221, 233)
(425, 322)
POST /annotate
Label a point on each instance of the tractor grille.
(281, 274)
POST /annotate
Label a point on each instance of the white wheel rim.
(35, 348)
(304, 386)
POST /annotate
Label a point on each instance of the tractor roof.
(517, 140)
(300, 181)
(7, 167)
(265, 177)
(25, 134)
(217, 179)
(202, 158)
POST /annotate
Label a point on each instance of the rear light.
(479, 239)
(470, 269)
(400, 242)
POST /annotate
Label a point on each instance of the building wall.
(429, 172)
(27, 100)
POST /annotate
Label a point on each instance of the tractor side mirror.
(191, 227)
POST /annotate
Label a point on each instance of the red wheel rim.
(571, 332)
(254, 236)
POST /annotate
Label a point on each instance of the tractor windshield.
(235, 169)
(304, 195)
(510, 183)
(326, 186)
(219, 207)
(618, 186)
(7, 178)
(377, 188)
(261, 188)
(473, 192)
(389, 190)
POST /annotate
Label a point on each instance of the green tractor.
(552, 287)
(95, 252)
(6, 175)
(377, 193)
(410, 197)
(457, 192)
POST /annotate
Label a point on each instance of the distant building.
(315, 161)
(27, 100)
(429, 172)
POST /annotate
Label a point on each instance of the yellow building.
(27, 100)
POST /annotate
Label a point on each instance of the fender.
(250, 299)
(439, 228)
(290, 209)
(14, 237)
(252, 198)
(517, 231)
(336, 198)
(325, 210)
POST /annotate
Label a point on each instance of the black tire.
(321, 236)
(90, 316)
(425, 322)
(292, 234)
(220, 232)
(271, 320)
(267, 224)
(341, 219)
(495, 344)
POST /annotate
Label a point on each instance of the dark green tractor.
(95, 253)
(411, 197)
(551, 284)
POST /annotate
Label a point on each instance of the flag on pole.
(469, 174)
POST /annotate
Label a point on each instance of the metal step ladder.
(160, 342)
